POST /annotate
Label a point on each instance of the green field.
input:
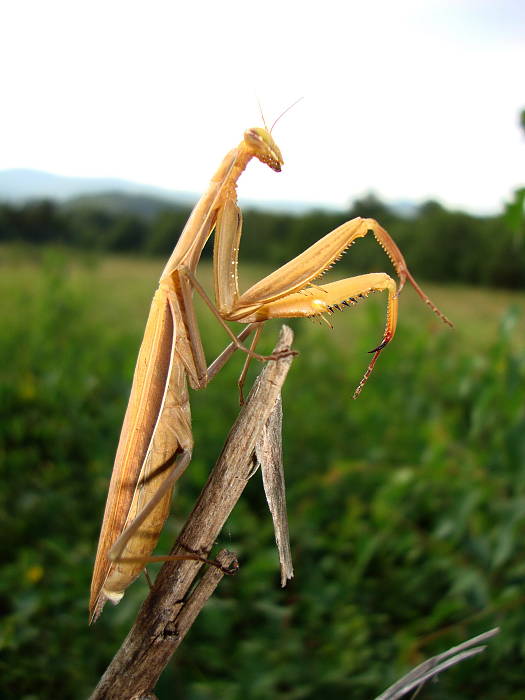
(406, 507)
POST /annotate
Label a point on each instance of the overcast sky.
(409, 99)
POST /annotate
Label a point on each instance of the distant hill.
(19, 185)
(123, 196)
(142, 205)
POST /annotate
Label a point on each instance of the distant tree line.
(440, 245)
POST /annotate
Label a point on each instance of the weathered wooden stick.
(164, 617)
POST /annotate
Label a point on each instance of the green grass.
(406, 507)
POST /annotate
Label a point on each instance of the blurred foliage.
(515, 209)
(515, 216)
(446, 246)
(406, 507)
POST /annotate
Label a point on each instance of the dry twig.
(168, 612)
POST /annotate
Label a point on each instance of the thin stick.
(154, 637)
(431, 667)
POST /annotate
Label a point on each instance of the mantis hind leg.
(118, 547)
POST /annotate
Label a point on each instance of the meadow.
(406, 507)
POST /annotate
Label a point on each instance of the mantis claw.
(230, 570)
(380, 347)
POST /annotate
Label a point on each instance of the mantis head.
(261, 144)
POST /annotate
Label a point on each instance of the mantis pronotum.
(156, 440)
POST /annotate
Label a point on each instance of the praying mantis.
(156, 443)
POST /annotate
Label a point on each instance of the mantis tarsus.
(156, 440)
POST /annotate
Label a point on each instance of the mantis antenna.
(283, 113)
(262, 114)
(280, 115)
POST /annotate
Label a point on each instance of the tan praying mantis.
(156, 441)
